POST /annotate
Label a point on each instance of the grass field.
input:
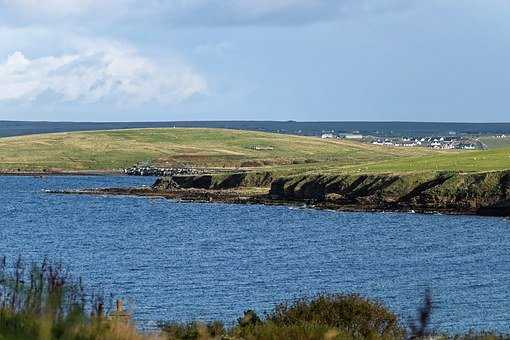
(463, 161)
(281, 154)
(493, 142)
(107, 150)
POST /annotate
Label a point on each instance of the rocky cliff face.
(215, 182)
(483, 193)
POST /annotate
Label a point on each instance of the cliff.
(215, 182)
(477, 193)
(480, 193)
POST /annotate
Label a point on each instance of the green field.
(461, 161)
(231, 149)
(108, 150)
(493, 142)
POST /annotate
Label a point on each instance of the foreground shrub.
(306, 331)
(343, 317)
(193, 330)
(350, 314)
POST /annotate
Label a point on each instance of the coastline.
(483, 194)
(240, 197)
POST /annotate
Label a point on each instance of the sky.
(304, 60)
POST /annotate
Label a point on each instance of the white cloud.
(94, 74)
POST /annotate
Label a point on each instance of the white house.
(353, 136)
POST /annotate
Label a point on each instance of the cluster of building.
(439, 142)
(444, 143)
(353, 136)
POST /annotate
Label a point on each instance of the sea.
(182, 261)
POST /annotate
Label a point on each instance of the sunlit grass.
(107, 150)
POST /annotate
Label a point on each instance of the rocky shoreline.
(266, 197)
(238, 197)
(485, 194)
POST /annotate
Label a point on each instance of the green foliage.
(192, 330)
(29, 294)
(323, 317)
(306, 331)
(352, 314)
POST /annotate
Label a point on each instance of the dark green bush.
(193, 330)
(270, 331)
(353, 314)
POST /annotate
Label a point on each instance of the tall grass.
(43, 301)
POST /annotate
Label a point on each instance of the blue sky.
(307, 60)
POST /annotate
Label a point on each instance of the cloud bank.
(93, 75)
(58, 53)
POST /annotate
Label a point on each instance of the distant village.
(450, 142)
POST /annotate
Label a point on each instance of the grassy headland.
(108, 150)
(278, 153)
(338, 172)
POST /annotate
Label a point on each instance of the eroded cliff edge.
(475, 193)
(481, 193)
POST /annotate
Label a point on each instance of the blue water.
(183, 261)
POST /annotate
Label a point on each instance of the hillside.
(463, 162)
(279, 153)
(336, 174)
(108, 150)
